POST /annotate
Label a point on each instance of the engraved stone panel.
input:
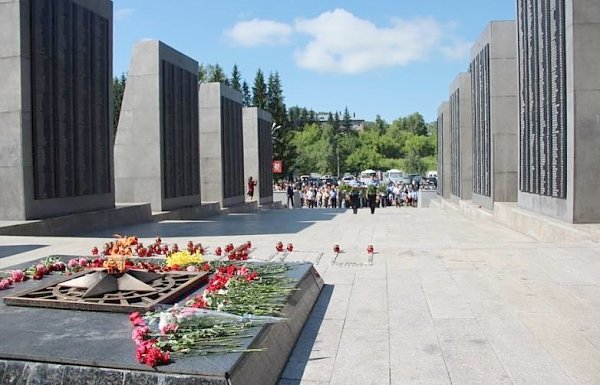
(70, 73)
(265, 158)
(181, 175)
(232, 148)
(440, 153)
(480, 100)
(455, 142)
(542, 67)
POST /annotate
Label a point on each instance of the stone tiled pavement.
(446, 300)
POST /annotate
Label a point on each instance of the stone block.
(10, 35)
(73, 159)
(504, 116)
(582, 12)
(11, 92)
(505, 150)
(586, 45)
(157, 144)
(504, 36)
(504, 79)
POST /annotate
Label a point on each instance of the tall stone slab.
(559, 90)
(444, 167)
(495, 112)
(157, 143)
(221, 144)
(56, 108)
(258, 151)
(461, 133)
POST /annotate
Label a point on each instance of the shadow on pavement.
(300, 356)
(6, 251)
(283, 221)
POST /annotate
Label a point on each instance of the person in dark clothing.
(354, 198)
(290, 196)
(251, 185)
(372, 199)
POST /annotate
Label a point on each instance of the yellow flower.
(184, 258)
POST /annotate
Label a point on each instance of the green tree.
(246, 96)
(119, 84)
(236, 78)
(217, 74)
(275, 100)
(347, 122)
(380, 124)
(259, 91)
(202, 74)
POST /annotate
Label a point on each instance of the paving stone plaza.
(496, 281)
(447, 300)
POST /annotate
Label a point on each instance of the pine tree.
(218, 75)
(236, 78)
(202, 74)
(347, 123)
(275, 100)
(118, 92)
(247, 97)
(259, 91)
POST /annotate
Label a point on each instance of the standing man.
(290, 195)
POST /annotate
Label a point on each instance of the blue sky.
(391, 58)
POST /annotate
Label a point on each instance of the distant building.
(357, 124)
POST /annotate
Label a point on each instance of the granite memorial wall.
(157, 143)
(444, 151)
(55, 108)
(543, 97)
(461, 138)
(494, 100)
(559, 89)
(221, 144)
(258, 151)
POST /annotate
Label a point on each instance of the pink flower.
(4, 284)
(73, 263)
(17, 275)
(136, 319)
(192, 268)
(139, 334)
(169, 328)
(59, 266)
(82, 262)
(147, 353)
(40, 269)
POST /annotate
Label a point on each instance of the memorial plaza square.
(446, 300)
(167, 228)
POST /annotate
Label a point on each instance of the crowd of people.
(313, 195)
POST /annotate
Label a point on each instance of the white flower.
(165, 319)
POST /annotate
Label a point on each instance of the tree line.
(305, 144)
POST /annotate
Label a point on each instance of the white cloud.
(257, 32)
(123, 13)
(456, 49)
(340, 42)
